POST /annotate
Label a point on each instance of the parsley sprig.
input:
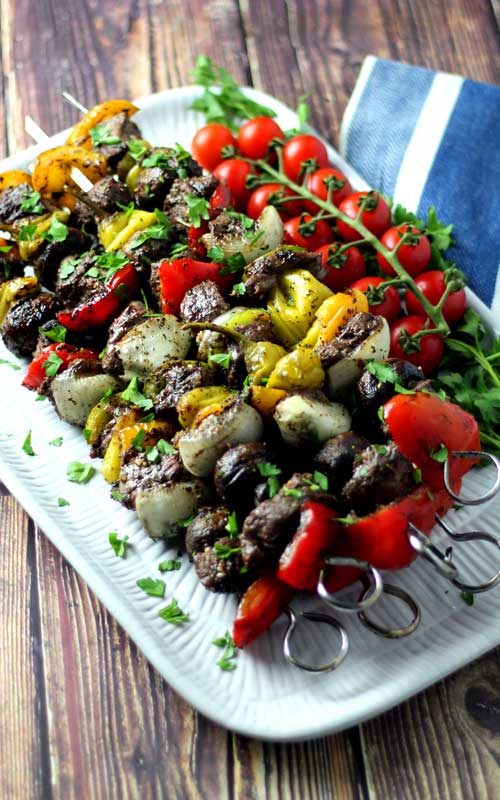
(227, 660)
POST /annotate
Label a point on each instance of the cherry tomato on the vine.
(429, 356)
(276, 195)
(233, 172)
(414, 256)
(432, 284)
(383, 302)
(316, 184)
(256, 134)
(376, 215)
(208, 143)
(343, 268)
(303, 148)
(294, 233)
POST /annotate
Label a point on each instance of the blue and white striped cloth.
(431, 139)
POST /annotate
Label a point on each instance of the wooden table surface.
(83, 715)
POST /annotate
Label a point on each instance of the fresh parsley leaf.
(321, 480)
(57, 232)
(266, 469)
(165, 448)
(52, 364)
(128, 209)
(118, 496)
(137, 148)
(101, 134)
(161, 160)
(57, 442)
(239, 289)
(138, 440)
(295, 493)
(119, 545)
(232, 525)
(152, 586)
(417, 475)
(132, 394)
(10, 364)
(40, 397)
(186, 522)
(346, 520)
(55, 334)
(169, 565)
(273, 486)
(222, 359)
(28, 449)
(61, 501)
(225, 551)
(4, 249)
(226, 661)
(439, 454)
(302, 111)
(198, 209)
(467, 597)
(31, 203)
(173, 614)
(27, 233)
(79, 473)
(67, 267)
(156, 231)
(86, 433)
(178, 249)
(382, 371)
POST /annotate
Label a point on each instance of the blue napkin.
(431, 139)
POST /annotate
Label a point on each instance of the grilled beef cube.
(19, 329)
(237, 476)
(382, 475)
(121, 126)
(143, 255)
(168, 383)
(50, 255)
(207, 527)
(351, 335)
(138, 473)
(155, 181)
(73, 285)
(272, 524)
(131, 316)
(372, 393)
(175, 205)
(337, 455)
(217, 573)
(203, 303)
(11, 201)
(262, 274)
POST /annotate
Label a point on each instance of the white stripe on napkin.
(426, 138)
(345, 125)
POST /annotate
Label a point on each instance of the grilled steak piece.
(121, 126)
(11, 201)
(220, 574)
(262, 274)
(175, 205)
(143, 255)
(237, 476)
(166, 164)
(272, 524)
(351, 335)
(336, 457)
(50, 255)
(168, 383)
(138, 473)
(372, 392)
(73, 285)
(382, 475)
(203, 303)
(109, 194)
(19, 329)
(208, 527)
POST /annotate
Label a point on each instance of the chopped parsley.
(222, 359)
(346, 520)
(226, 661)
(169, 565)
(68, 266)
(198, 209)
(61, 501)
(152, 586)
(27, 233)
(128, 209)
(439, 454)
(31, 203)
(173, 614)
(132, 394)
(118, 496)
(10, 364)
(57, 232)
(231, 264)
(101, 134)
(186, 522)
(28, 449)
(4, 249)
(137, 149)
(55, 334)
(296, 493)
(385, 373)
(119, 545)
(225, 551)
(417, 475)
(162, 448)
(79, 473)
(270, 471)
(467, 597)
(239, 289)
(232, 525)
(160, 160)
(57, 442)
(52, 364)
(138, 440)
(157, 231)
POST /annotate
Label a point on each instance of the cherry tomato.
(316, 185)
(278, 194)
(208, 142)
(430, 354)
(322, 233)
(343, 268)
(388, 307)
(302, 148)
(255, 136)
(413, 257)
(376, 216)
(433, 284)
(233, 172)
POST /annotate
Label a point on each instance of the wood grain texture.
(83, 713)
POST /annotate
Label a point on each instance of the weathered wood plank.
(24, 770)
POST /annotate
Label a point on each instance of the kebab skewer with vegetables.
(225, 332)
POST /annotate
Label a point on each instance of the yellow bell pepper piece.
(112, 461)
(194, 401)
(14, 290)
(28, 247)
(14, 177)
(293, 304)
(80, 133)
(97, 420)
(300, 369)
(114, 232)
(333, 314)
(153, 431)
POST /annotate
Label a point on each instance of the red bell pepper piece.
(222, 198)
(302, 560)
(194, 238)
(36, 373)
(101, 309)
(177, 276)
(262, 603)
(421, 423)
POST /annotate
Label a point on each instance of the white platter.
(264, 697)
